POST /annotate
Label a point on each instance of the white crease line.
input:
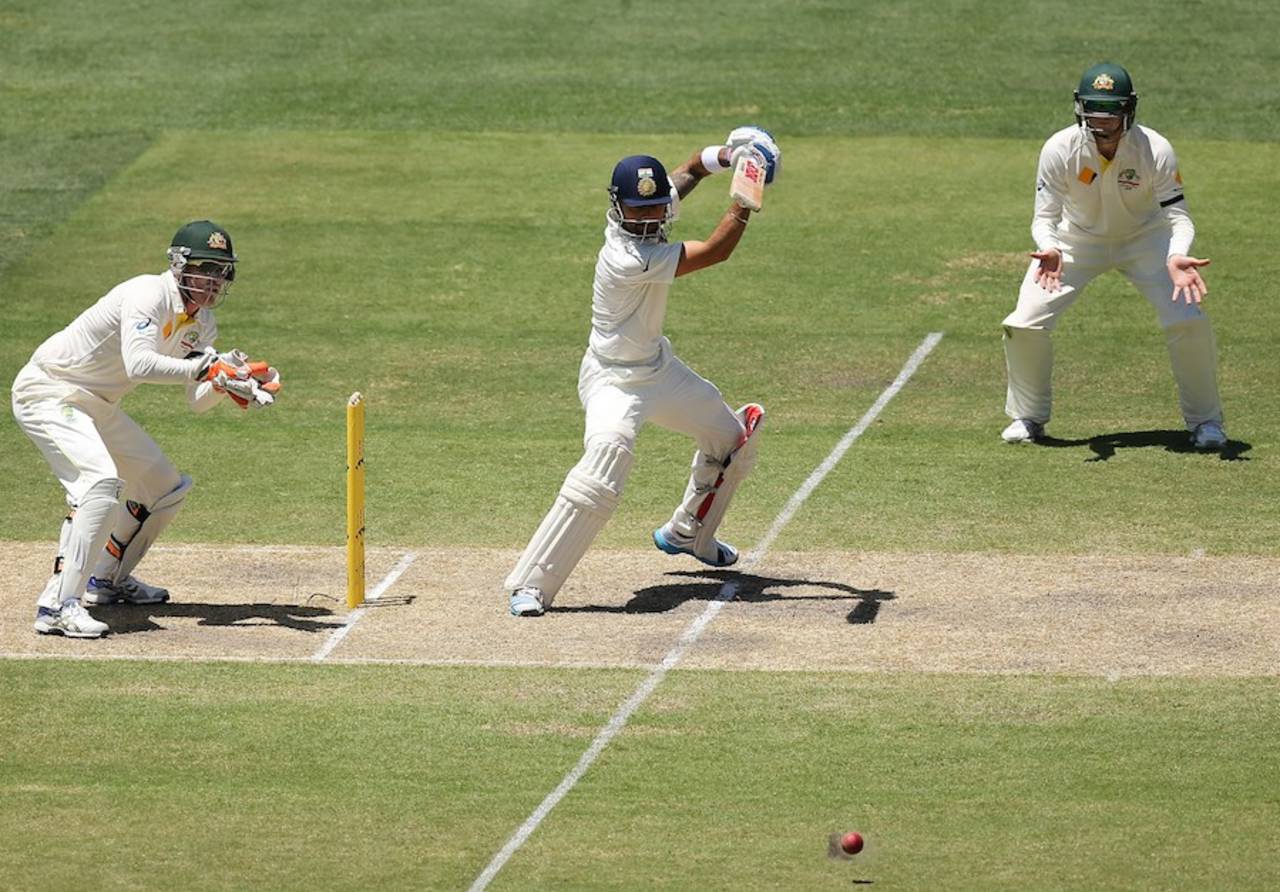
(727, 592)
(353, 617)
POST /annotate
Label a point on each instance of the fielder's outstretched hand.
(1049, 274)
(1187, 283)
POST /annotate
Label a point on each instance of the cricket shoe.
(71, 619)
(1023, 430)
(672, 542)
(527, 601)
(102, 592)
(1208, 435)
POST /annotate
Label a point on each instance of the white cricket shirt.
(136, 332)
(1079, 194)
(629, 296)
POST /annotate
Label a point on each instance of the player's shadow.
(128, 619)
(1105, 446)
(748, 588)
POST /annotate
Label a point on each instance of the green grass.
(461, 315)
(227, 776)
(416, 191)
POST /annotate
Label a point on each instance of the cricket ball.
(851, 843)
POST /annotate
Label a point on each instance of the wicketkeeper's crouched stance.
(629, 376)
(1109, 196)
(121, 489)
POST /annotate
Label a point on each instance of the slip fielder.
(1109, 196)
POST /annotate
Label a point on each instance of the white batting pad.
(586, 500)
(1193, 353)
(154, 521)
(1028, 355)
(712, 485)
(89, 530)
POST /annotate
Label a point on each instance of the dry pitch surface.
(1110, 616)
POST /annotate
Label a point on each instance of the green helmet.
(202, 262)
(1106, 90)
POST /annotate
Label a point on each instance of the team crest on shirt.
(1129, 179)
(1104, 81)
(189, 338)
(646, 185)
(217, 241)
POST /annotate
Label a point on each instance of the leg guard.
(586, 500)
(1194, 356)
(707, 496)
(51, 597)
(1028, 355)
(88, 533)
(137, 531)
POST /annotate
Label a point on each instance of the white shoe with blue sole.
(668, 540)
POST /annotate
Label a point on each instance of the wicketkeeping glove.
(245, 392)
(763, 140)
(250, 384)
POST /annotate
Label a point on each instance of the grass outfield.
(462, 318)
(234, 776)
(416, 192)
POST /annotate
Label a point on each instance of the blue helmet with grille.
(640, 181)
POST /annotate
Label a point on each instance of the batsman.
(1109, 196)
(629, 374)
(121, 489)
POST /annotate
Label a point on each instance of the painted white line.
(807, 488)
(691, 634)
(354, 616)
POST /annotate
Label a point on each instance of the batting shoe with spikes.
(129, 590)
(1208, 435)
(527, 601)
(1023, 430)
(70, 619)
(668, 539)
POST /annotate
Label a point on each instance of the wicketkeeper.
(121, 489)
(629, 375)
(1109, 196)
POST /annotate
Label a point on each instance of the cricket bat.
(747, 186)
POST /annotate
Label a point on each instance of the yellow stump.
(355, 500)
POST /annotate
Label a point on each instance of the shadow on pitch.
(1104, 446)
(127, 619)
(749, 588)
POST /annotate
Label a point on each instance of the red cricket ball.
(851, 843)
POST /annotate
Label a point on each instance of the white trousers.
(85, 439)
(618, 400)
(1141, 260)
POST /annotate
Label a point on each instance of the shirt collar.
(172, 293)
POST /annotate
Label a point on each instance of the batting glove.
(763, 140)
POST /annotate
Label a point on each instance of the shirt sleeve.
(139, 339)
(1166, 185)
(1050, 190)
(662, 259)
(642, 263)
